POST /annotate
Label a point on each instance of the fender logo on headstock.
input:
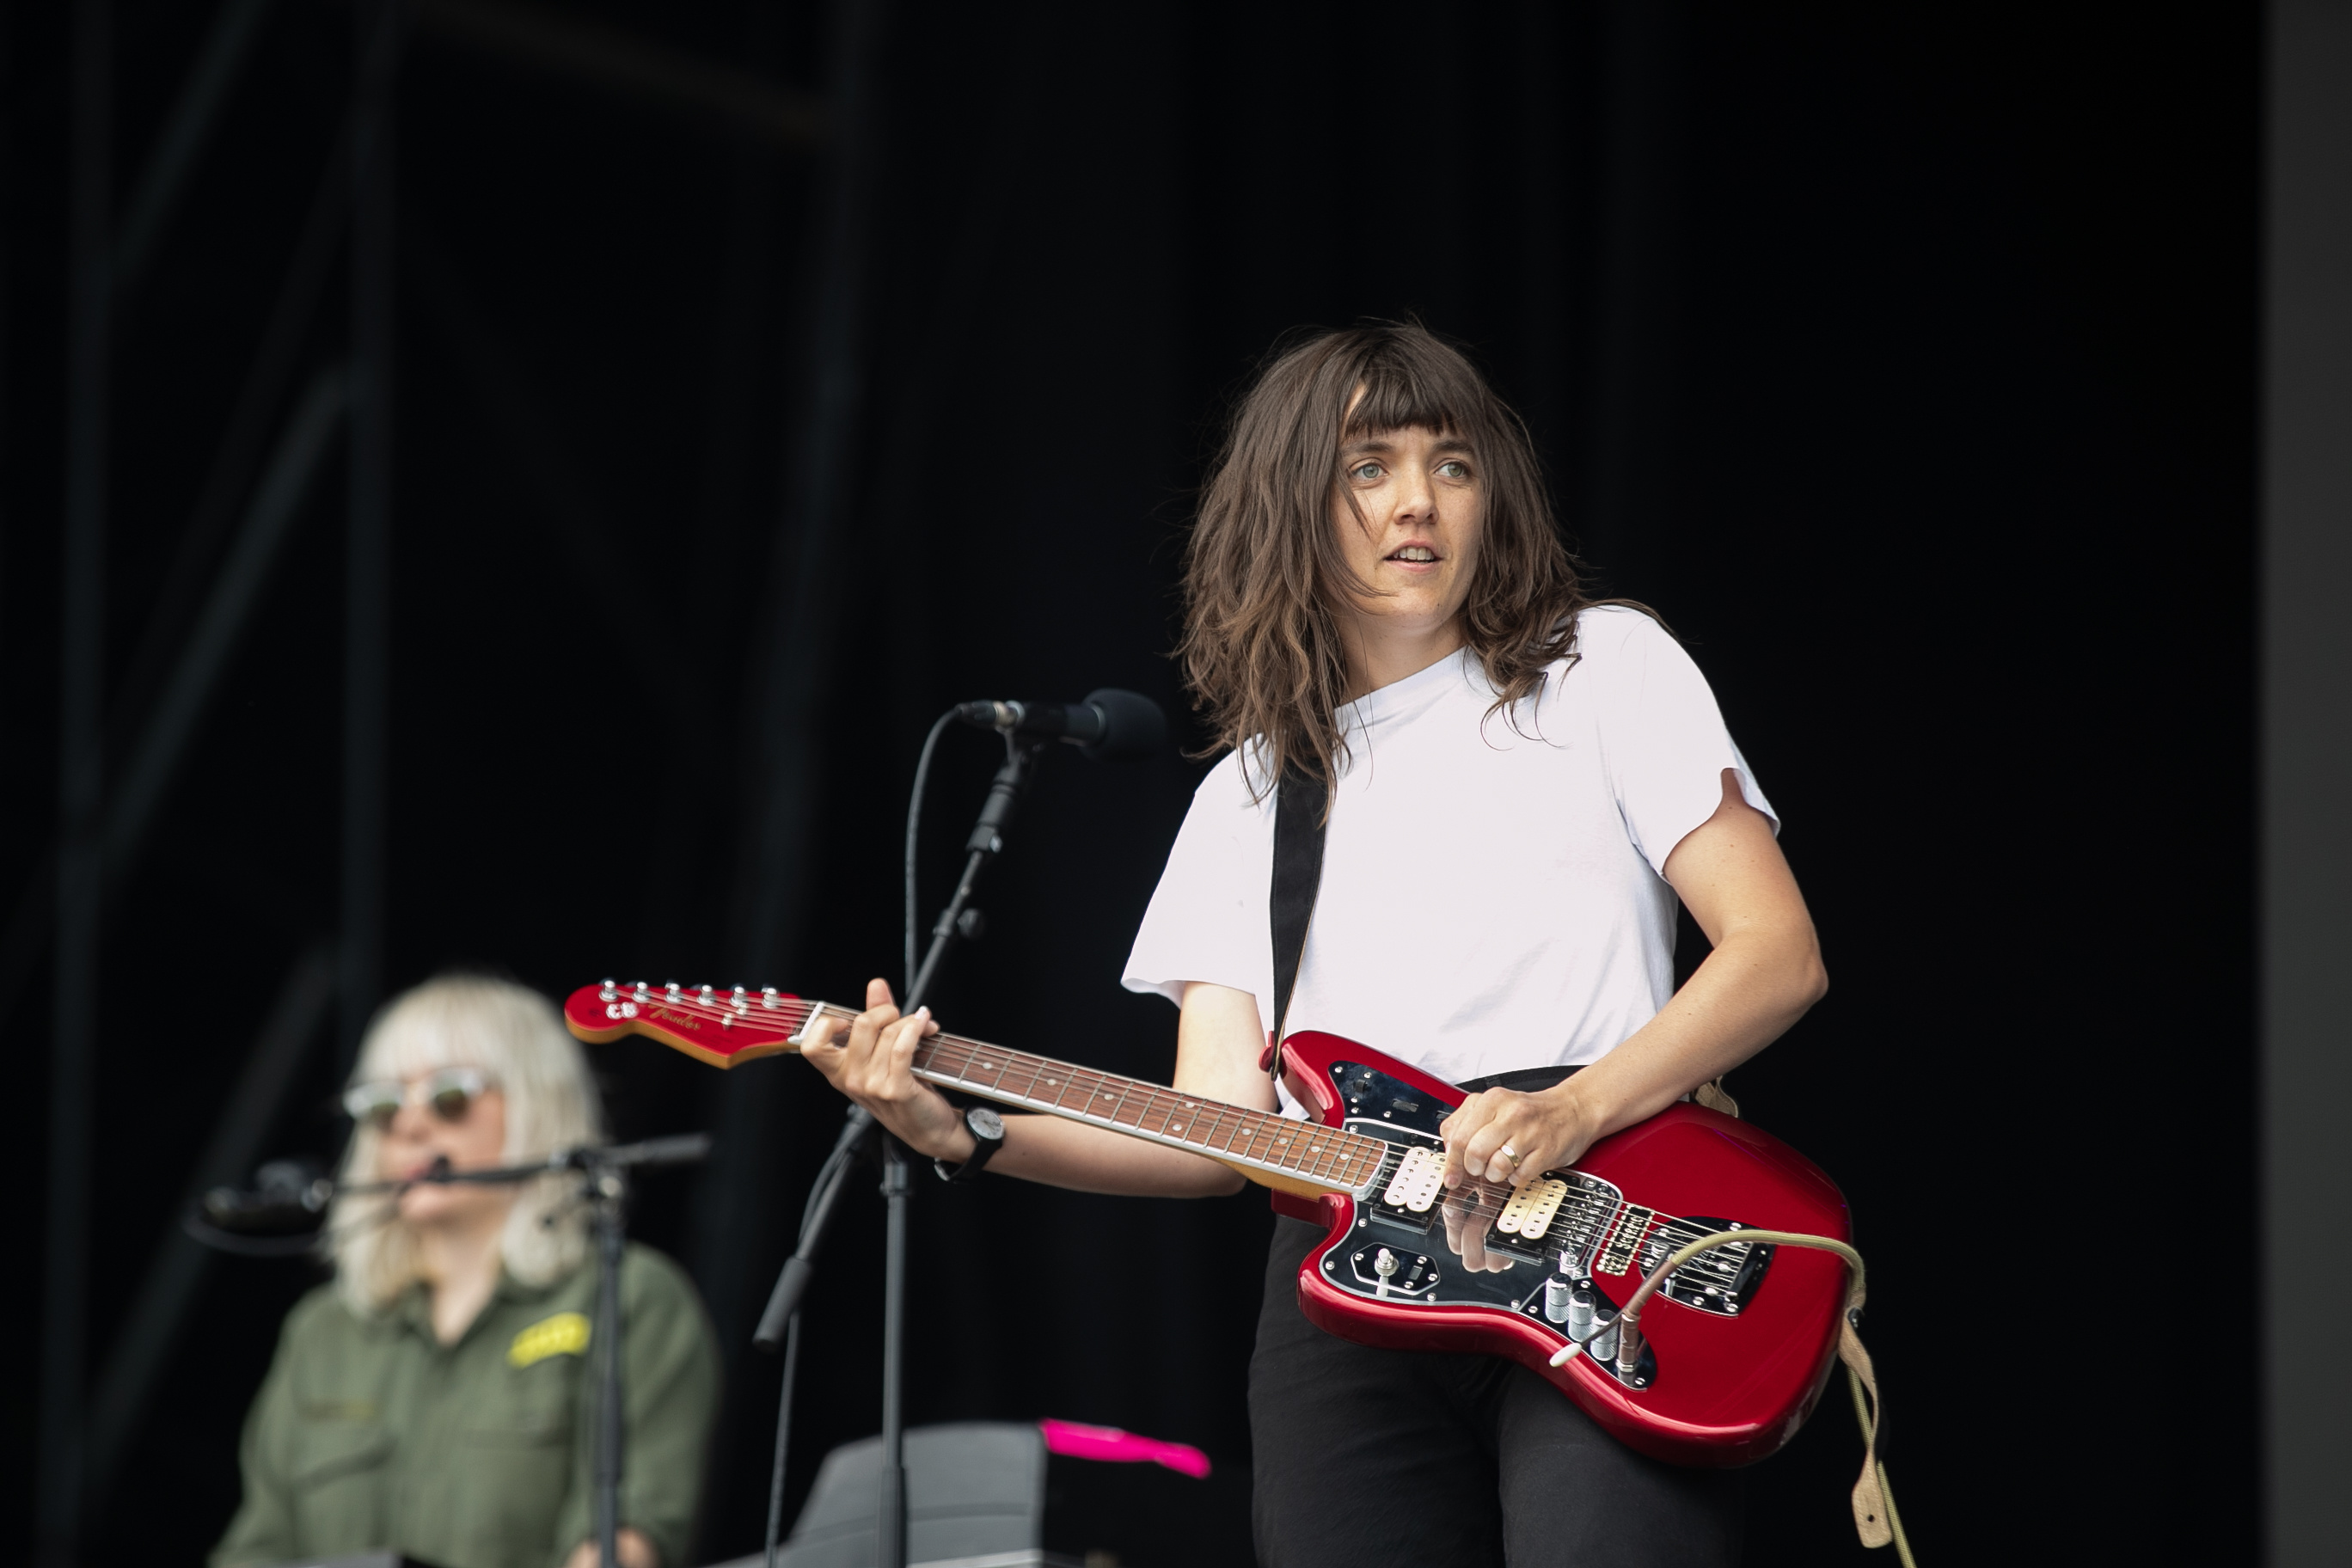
(671, 1016)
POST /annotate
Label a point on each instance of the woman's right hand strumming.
(871, 1065)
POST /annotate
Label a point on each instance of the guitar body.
(1723, 1388)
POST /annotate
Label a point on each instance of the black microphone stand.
(607, 1191)
(958, 920)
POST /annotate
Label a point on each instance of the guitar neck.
(1267, 1147)
(727, 1030)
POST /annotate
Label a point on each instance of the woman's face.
(421, 1136)
(1416, 542)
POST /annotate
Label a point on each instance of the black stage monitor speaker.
(975, 1495)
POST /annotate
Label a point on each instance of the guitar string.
(797, 1012)
(1239, 1140)
(1601, 1216)
(985, 1068)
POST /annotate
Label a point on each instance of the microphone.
(286, 1198)
(684, 1149)
(1109, 726)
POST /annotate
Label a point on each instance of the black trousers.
(1366, 1457)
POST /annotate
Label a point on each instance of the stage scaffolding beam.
(218, 59)
(151, 1328)
(724, 95)
(82, 715)
(163, 646)
(788, 678)
(2306, 773)
(377, 36)
(148, 768)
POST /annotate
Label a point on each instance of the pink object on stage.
(1079, 1441)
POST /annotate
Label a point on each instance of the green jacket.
(369, 1433)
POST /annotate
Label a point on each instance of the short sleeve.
(1662, 738)
(1208, 917)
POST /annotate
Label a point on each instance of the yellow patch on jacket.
(566, 1334)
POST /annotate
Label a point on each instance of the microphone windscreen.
(1134, 727)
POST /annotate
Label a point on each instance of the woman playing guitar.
(1519, 783)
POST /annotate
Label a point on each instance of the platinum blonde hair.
(512, 1033)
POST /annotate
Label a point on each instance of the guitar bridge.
(1720, 1280)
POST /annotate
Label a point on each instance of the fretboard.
(1259, 1141)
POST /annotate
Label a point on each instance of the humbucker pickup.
(1529, 1213)
(1418, 1176)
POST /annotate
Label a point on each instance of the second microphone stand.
(959, 920)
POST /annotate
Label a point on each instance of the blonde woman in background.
(438, 1397)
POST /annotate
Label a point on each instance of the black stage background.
(1902, 358)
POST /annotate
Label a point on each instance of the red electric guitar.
(1733, 1350)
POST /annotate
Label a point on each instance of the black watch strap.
(987, 1130)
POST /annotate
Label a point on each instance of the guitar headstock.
(720, 1027)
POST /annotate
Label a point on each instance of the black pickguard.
(1425, 1270)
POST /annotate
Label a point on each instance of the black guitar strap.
(1297, 874)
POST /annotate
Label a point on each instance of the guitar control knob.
(1583, 1303)
(1557, 1292)
(1604, 1344)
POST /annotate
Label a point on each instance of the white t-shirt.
(1491, 896)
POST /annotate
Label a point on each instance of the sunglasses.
(447, 1092)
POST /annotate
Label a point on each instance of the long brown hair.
(1263, 570)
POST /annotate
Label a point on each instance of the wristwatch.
(987, 1130)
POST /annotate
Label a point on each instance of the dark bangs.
(1408, 387)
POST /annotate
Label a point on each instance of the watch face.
(984, 1122)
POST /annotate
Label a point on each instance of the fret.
(1235, 1132)
(1034, 1067)
(1005, 1062)
(1054, 1085)
(1044, 1081)
(1170, 1108)
(1255, 1137)
(980, 1064)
